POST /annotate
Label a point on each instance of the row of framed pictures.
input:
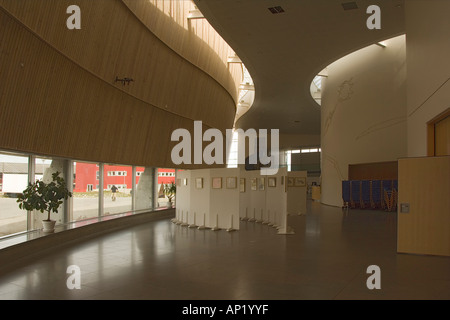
(255, 183)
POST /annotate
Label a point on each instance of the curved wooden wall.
(194, 39)
(59, 97)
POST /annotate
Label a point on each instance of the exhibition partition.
(219, 198)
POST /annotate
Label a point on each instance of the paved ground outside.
(13, 220)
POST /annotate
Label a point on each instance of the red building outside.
(87, 176)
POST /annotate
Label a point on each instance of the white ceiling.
(283, 52)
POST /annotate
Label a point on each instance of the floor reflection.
(326, 258)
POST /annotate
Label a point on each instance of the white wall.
(183, 197)
(206, 206)
(200, 204)
(296, 195)
(224, 207)
(224, 202)
(250, 198)
(266, 205)
(363, 113)
(428, 52)
(293, 141)
(257, 197)
(277, 200)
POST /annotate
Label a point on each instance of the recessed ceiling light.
(276, 9)
(349, 5)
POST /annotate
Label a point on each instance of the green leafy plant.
(170, 190)
(44, 197)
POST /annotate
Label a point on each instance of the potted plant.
(170, 190)
(45, 197)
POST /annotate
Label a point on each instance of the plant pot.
(48, 226)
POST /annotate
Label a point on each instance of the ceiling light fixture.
(276, 9)
(234, 59)
(246, 86)
(195, 14)
(349, 5)
(124, 80)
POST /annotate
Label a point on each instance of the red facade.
(87, 176)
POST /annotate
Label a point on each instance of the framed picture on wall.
(242, 185)
(185, 181)
(262, 183)
(290, 181)
(217, 183)
(254, 184)
(300, 181)
(199, 183)
(178, 182)
(272, 182)
(231, 182)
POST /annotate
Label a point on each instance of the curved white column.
(363, 113)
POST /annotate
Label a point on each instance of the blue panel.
(365, 191)
(376, 191)
(355, 190)
(346, 191)
(387, 185)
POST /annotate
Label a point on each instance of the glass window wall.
(117, 186)
(13, 180)
(165, 177)
(44, 169)
(145, 183)
(137, 189)
(86, 177)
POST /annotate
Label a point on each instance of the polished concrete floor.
(326, 258)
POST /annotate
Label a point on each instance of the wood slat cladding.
(195, 39)
(60, 98)
(373, 171)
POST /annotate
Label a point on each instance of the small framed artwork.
(290, 181)
(217, 183)
(185, 181)
(300, 181)
(199, 183)
(254, 184)
(262, 183)
(242, 185)
(231, 182)
(178, 182)
(272, 182)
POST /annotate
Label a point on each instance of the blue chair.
(355, 191)
(386, 187)
(365, 194)
(346, 193)
(376, 194)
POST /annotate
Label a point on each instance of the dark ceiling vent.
(349, 5)
(276, 10)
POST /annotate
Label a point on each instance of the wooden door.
(439, 135)
(442, 137)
